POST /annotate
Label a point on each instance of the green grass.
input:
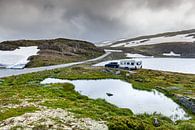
(148, 79)
(63, 95)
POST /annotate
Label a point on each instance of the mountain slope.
(181, 42)
(142, 39)
(55, 51)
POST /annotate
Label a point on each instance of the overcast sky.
(93, 20)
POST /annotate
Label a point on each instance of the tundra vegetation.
(16, 89)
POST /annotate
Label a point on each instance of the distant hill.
(55, 51)
(181, 42)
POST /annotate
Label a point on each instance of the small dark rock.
(139, 80)
(107, 70)
(109, 94)
(156, 123)
(50, 126)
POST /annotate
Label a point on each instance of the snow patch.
(53, 80)
(18, 58)
(171, 54)
(107, 50)
(119, 45)
(157, 40)
(178, 65)
(105, 43)
(130, 55)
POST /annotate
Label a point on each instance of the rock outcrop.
(46, 118)
(187, 103)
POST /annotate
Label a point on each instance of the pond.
(123, 95)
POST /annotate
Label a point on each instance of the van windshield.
(114, 63)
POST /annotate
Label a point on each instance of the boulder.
(118, 72)
(187, 103)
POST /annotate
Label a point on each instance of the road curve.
(11, 72)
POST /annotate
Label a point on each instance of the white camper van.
(130, 64)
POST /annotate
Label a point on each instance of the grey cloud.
(93, 20)
(163, 4)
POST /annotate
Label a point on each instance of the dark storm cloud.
(94, 20)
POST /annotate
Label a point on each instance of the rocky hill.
(55, 51)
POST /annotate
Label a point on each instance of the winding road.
(11, 72)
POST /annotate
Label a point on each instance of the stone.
(188, 92)
(118, 72)
(187, 103)
(109, 94)
(156, 123)
(127, 74)
(43, 117)
(174, 88)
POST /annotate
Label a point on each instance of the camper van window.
(138, 63)
(128, 63)
(132, 63)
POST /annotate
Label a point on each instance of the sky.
(93, 20)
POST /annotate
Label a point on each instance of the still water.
(125, 96)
